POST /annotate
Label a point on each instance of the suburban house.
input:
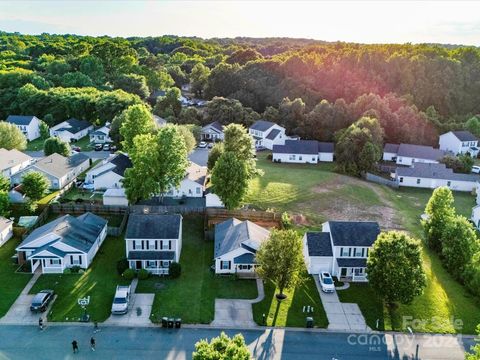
(407, 154)
(101, 135)
(64, 242)
(267, 134)
(12, 161)
(29, 125)
(303, 152)
(341, 249)
(193, 184)
(109, 173)
(236, 243)
(459, 142)
(6, 230)
(153, 242)
(71, 129)
(58, 169)
(115, 197)
(212, 132)
(431, 176)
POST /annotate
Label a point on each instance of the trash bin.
(178, 323)
(309, 322)
(171, 322)
(164, 322)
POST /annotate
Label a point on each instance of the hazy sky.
(451, 22)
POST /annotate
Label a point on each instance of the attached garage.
(317, 251)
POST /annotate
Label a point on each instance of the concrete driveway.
(139, 310)
(19, 313)
(199, 156)
(341, 316)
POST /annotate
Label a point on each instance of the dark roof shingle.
(318, 244)
(351, 262)
(391, 148)
(153, 226)
(434, 171)
(262, 125)
(354, 233)
(420, 152)
(20, 119)
(122, 162)
(464, 135)
(309, 147)
(272, 134)
(325, 147)
(151, 255)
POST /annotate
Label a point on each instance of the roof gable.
(262, 125)
(464, 135)
(354, 233)
(153, 226)
(319, 244)
(20, 119)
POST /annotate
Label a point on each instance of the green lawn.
(192, 296)
(35, 145)
(83, 143)
(98, 282)
(289, 312)
(77, 193)
(11, 283)
(319, 194)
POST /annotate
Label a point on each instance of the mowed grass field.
(314, 194)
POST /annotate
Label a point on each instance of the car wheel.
(43, 308)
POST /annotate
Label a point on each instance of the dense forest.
(313, 88)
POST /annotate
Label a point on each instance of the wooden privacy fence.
(83, 208)
(263, 218)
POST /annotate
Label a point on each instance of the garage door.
(319, 264)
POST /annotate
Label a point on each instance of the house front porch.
(155, 262)
(352, 274)
(47, 265)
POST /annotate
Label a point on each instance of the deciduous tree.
(439, 211)
(35, 185)
(222, 348)
(56, 145)
(11, 137)
(230, 179)
(214, 154)
(394, 268)
(136, 120)
(280, 259)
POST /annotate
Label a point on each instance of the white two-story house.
(64, 242)
(29, 125)
(266, 134)
(459, 142)
(341, 249)
(153, 242)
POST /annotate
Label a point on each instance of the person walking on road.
(40, 323)
(75, 346)
(92, 343)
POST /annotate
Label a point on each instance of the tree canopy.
(222, 348)
(11, 137)
(56, 145)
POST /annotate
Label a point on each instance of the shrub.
(67, 271)
(175, 269)
(122, 265)
(143, 274)
(75, 269)
(286, 221)
(269, 156)
(129, 274)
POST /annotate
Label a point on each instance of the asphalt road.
(28, 342)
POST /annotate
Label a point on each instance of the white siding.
(326, 157)
(476, 216)
(295, 158)
(427, 183)
(6, 234)
(187, 188)
(109, 180)
(388, 156)
(404, 160)
(115, 200)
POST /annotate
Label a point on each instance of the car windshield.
(327, 280)
(119, 301)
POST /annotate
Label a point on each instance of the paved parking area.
(199, 156)
(341, 316)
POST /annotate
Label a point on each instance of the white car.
(476, 169)
(121, 300)
(202, 144)
(326, 282)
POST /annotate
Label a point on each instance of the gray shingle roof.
(153, 226)
(122, 162)
(352, 262)
(151, 255)
(464, 135)
(354, 233)
(325, 147)
(58, 165)
(434, 171)
(391, 148)
(272, 134)
(74, 125)
(308, 147)
(318, 244)
(11, 158)
(420, 152)
(77, 232)
(20, 119)
(233, 234)
(262, 125)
